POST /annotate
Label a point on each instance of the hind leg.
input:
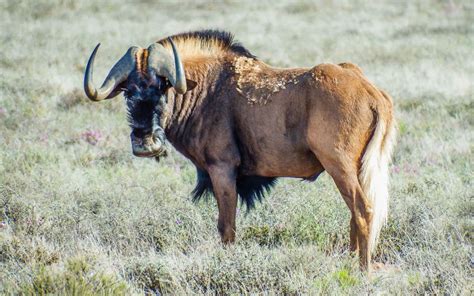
(354, 245)
(344, 170)
(361, 211)
(338, 144)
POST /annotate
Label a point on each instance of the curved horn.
(180, 85)
(117, 75)
(171, 67)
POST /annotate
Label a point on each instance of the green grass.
(80, 215)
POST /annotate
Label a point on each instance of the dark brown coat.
(246, 123)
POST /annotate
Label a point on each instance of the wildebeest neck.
(180, 113)
(207, 57)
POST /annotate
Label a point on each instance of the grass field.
(80, 215)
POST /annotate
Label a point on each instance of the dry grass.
(80, 215)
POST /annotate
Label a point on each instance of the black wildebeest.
(243, 123)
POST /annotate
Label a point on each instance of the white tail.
(373, 175)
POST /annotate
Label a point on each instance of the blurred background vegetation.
(80, 215)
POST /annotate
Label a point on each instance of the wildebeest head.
(144, 75)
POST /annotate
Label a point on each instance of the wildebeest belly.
(273, 157)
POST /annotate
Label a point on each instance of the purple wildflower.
(44, 137)
(92, 136)
(396, 169)
(410, 169)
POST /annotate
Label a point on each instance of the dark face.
(146, 100)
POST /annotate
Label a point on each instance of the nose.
(145, 144)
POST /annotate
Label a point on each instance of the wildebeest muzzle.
(149, 145)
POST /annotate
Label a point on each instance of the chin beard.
(158, 157)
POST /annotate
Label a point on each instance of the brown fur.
(246, 118)
(142, 60)
(257, 81)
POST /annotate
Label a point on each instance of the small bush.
(266, 235)
(151, 276)
(77, 278)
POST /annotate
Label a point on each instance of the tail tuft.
(373, 175)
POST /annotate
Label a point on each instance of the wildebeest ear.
(190, 84)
